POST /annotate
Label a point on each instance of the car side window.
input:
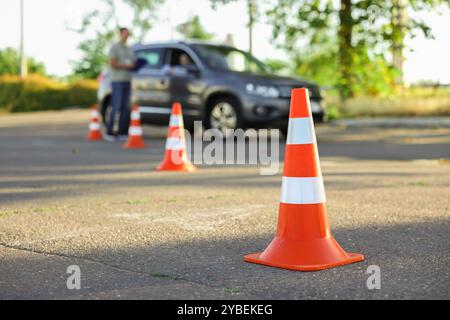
(150, 58)
(179, 57)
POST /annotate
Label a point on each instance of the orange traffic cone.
(135, 131)
(175, 158)
(94, 125)
(303, 240)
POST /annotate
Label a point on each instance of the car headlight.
(263, 91)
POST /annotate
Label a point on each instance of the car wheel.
(106, 111)
(318, 118)
(223, 114)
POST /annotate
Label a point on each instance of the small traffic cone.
(135, 140)
(94, 125)
(303, 240)
(175, 158)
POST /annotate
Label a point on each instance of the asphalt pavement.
(140, 234)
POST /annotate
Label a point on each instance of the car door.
(186, 85)
(150, 84)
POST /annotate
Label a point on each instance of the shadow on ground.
(55, 163)
(214, 269)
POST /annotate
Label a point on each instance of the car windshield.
(229, 59)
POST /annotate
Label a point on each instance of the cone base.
(94, 136)
(255, 258)
(134, 145)
(169, 166)
(312, 255)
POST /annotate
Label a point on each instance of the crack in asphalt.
(121, 269)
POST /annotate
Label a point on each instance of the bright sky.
(48, 40)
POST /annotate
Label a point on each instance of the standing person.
(121, 62)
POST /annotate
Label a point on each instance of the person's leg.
(115, 106)
(124, 120)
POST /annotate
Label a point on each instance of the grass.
(136, 202)
(166, 276)
(232, 290)
(215, 197)
(4, 213)
(410, 184)
(414, 101)
(418, 184)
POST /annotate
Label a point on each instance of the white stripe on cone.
(135, 131)
(94, 126)
(174, 144)
(135, 115)
(175, 121)
(94, 114)
(302, 190)
(301, 131)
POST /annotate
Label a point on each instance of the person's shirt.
(123, 55)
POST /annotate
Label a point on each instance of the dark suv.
(221, 85)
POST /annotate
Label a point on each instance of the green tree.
(193, 29)
(10, 63)
(399, 20)
(277, 65)
(103, 23)
(93, 56)
(356, 34)
(144, 15)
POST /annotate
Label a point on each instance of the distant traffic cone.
(303, 240)
(135, 140)
(94, 125)
(175, 158)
